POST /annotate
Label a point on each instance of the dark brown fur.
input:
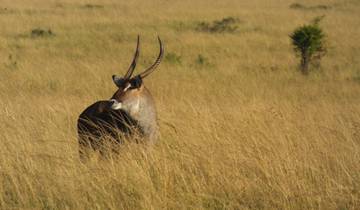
(99, 122)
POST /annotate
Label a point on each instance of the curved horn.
(133, 63)
(156, 63)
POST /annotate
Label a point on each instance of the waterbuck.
(130, 113)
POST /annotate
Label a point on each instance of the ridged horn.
(133, 63)
(149, 70)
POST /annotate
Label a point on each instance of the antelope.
(131, 110)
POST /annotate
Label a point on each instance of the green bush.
(308, 42)
(202, 60)
(173, 58)
(11, 63)
(93, 6)
(39, 32)
(228, 24)
(303, 7)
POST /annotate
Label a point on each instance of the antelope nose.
(114, 104)
(112, 101)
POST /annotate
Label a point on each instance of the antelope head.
(131, 88)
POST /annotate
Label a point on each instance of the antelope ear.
(118, 80)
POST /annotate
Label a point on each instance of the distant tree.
(308, 42)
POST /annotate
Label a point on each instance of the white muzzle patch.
(116, 105)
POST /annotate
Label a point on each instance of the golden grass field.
(241, 127)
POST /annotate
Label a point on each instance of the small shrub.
(39, 32)
(173, 58)
(59, 5)
(321, 7)
(308, 42)
(12, 62)
(181, 26)
(93, 6)
(317, 20)
(53, 85)
(202, 60)
(356, 78)
(303, 7)
(6, 11)
(297, 6)
(228, 24)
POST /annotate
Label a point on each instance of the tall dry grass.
(241, 129)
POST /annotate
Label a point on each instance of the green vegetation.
(228, 24)
(303, 7)
(93, 6)
(202, 60)
(39, 32)
(173, 58)
(308, 42)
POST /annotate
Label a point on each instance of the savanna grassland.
(241, 127)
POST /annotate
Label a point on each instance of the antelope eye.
(133, 83)
(136, 82)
